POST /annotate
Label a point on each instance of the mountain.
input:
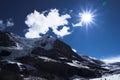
(45, 58)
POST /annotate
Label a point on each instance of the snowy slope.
(110, 77)
(24, 46)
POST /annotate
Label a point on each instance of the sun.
(87, 17)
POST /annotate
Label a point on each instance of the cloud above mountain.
(1, 25)
(6, 24)
(111, 59)
(40, 23)
(9, 22)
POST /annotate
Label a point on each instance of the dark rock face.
(11, 71)
(58, 63)
(5, 39)
(38, 51)
(58, 69)
(7, 75)
(5, 53)
(11, 67)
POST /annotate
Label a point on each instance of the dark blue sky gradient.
(100, 40)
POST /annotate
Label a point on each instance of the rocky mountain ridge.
(44, 58)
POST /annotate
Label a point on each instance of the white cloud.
(4, 25)
(111, 59)
(77, 24)
(39, 23)
(1, 22)
(1, 25)
(9, 23)
(63, 32)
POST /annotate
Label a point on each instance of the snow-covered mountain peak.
(45, 57)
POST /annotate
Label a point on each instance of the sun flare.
(87, 18)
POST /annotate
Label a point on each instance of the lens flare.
(87, 17)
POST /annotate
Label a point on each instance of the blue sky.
(99, 40)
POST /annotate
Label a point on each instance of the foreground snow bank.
(112, 77)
